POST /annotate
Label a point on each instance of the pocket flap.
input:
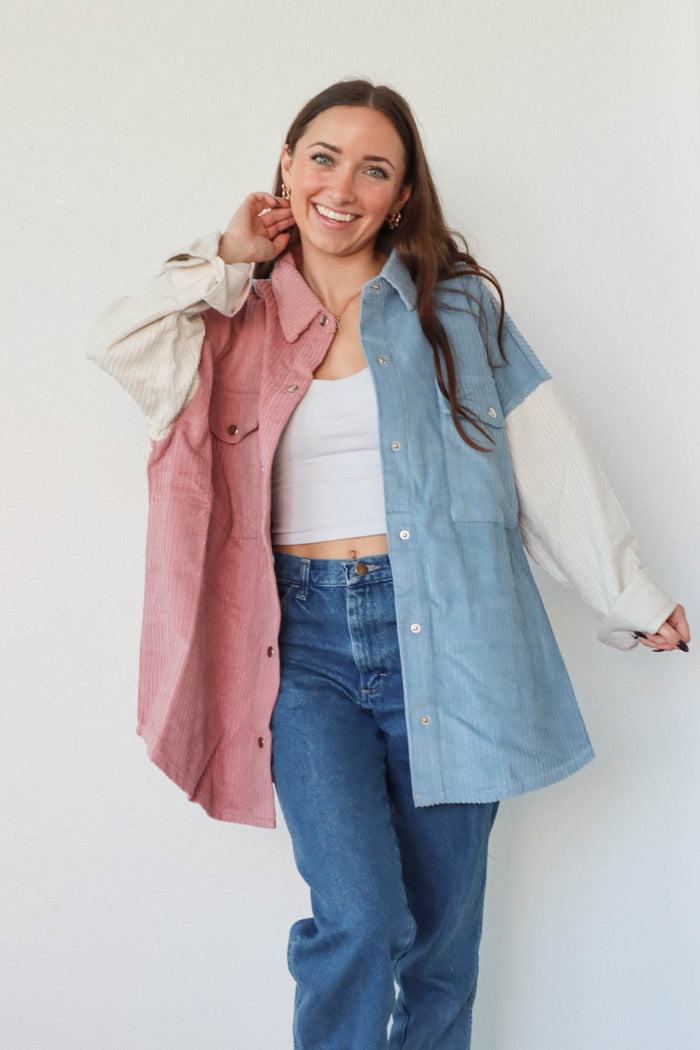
(479, 394)
(233, 414)
(481, 397)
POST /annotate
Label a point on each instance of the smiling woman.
(352, 457)
(345, 176)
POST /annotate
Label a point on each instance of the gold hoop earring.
(393, 220)
(286, 191)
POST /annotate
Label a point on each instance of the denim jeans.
(397, 891)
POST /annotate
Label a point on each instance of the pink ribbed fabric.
(209, 672)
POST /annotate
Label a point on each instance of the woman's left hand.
(673, 634)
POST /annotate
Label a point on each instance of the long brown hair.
(430, 251)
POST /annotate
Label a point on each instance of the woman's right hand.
(252, 237)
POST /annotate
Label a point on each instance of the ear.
(286, 161)
(401, 198)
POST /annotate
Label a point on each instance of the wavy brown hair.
(430, 251)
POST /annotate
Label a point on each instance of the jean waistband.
(332, 572)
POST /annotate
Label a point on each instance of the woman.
(349, 461)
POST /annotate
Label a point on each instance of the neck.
(335, 280)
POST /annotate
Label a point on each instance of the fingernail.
(684, 647)
(659, 650)
(638, 634)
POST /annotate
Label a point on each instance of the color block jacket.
(218, 367)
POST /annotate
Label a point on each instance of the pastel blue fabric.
(490, 709)
(397, 891)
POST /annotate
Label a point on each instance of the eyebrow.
(335, 149)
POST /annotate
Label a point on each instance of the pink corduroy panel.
(209, 670)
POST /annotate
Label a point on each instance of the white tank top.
(326, 475)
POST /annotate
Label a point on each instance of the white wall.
(564, 137)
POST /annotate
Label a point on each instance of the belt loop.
(304, 579)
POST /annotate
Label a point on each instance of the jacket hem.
(230, 814)
(511, 788)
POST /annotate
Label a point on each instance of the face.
(346, 176)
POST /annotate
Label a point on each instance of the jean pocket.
(285, 592)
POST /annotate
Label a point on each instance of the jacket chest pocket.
(236, 461)
(480, 484)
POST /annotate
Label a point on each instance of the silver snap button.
(233, 429)
(323, 321)
(415, 627)
(404, 534)
(425, 720)
(395, 445)
(493, 413)
(292, 388)
(382, 360)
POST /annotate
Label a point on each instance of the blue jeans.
(397, 891)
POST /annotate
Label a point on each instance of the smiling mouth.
(336, 216)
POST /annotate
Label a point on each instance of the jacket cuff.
(228, 284)
(642, 606)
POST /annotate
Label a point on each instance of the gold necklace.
(338, 325)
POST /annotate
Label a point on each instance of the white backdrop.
(564, 139)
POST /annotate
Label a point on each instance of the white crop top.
(326, 475)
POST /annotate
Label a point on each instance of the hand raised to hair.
(674, 631)
(258, 230)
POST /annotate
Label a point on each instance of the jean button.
(361, 568)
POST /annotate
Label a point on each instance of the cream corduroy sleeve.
(151, 341)
(572, 523)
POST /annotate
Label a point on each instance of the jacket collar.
(298, 306)
(397, 275)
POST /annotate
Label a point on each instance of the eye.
(377, 173)
(321, 158)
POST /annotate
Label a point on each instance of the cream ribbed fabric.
(571, 521)
(151, 341)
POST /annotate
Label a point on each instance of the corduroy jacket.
(218, 367)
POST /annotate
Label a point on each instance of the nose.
(342, 189)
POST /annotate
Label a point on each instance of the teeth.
(337, 215)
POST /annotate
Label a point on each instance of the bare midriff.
(348, 549)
